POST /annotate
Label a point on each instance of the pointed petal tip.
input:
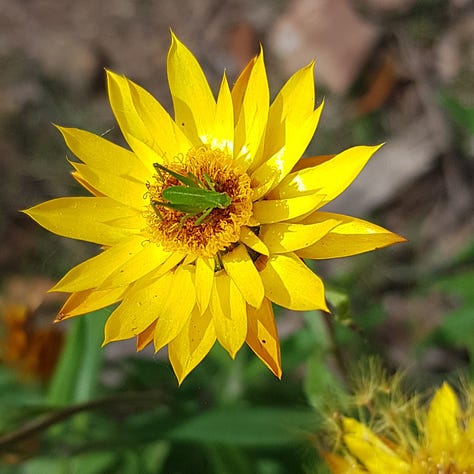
(30, 212)
(399, 239)
(396, 239)
(108, 73)
(180, 378)
(233, 354)
(309, 68)
(175, 42)
(275, 369)
(58, 318)
(111, 75)
(55, 289)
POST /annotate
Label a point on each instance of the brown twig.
(45, 421)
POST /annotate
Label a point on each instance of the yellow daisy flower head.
(409, 439)
(205, 221)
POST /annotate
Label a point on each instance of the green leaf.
(92, 355)
(77, 372)
(458, 327)
(92, 463)
(340, 305)
(320, 385)
(62, 384)
(460, 113)
(460, 284)
(229, 460)
(247, 427)
(43, 464)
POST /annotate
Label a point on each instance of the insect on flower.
(196, 249)
(192, 197)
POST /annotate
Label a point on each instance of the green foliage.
(457, 327)
(258, 427)
(462, 114)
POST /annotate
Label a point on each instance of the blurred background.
(394, 71)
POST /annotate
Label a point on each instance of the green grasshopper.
(193, 197)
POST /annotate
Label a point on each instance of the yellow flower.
(188, 273)
(439, 440)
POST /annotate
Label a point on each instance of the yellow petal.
(296, 136)
(262, 336)
(251, 123)
(204, 281)
(103, 155)
(294, 102)
(223, 129)
(122, 189)
(442, 423)
(149, 257)
(169, 264)
(338, 465)
(168, 137)
(194, 104)
(282, 238)
(277, 210)
(229, 314)
(145, 153)
(464, 452)
(126, 113)
(139, 309)
(192, 344)
(189, 259)
(240, 86)
(84, 218)
(145, 338)
(288, 282)
(177, 307)
(93, 272)
(240, 267)
(330, 178)
(375, 455)
(132, 222)
(261, 189)
(351, 237)
(86, 185)
(251, 240)
(83, 302)
(311, 161)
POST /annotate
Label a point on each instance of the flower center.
(198, 203)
